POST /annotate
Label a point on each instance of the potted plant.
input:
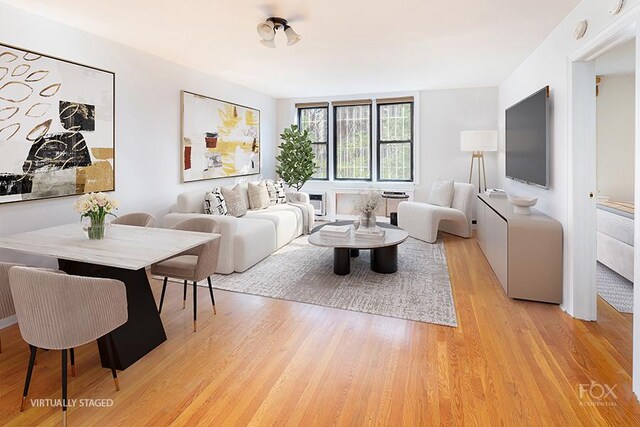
(296, 161)
(96, 207)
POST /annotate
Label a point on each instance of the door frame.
(581, 167)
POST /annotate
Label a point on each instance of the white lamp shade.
(292, 36)
(268, 43)
(479, 140)
(266, 30)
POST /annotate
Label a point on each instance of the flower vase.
(368, 220)
(97, 229)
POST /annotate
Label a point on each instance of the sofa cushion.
(255, 240)
(287, 220)
(441, 194)
(214, 203)
(276, 192)
(234, 200)
(258, 195)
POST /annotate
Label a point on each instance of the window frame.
(326, 143)
(379, 142)
(335, 143)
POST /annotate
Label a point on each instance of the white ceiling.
(349, 46)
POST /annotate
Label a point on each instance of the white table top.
(392, 236)
(127, 247)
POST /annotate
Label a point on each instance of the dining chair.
(193, 265)
(60, 312)
(6, 301)
(138, 219)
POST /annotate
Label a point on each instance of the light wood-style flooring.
(268, 362)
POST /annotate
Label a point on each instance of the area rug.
(615, 289)
(420, 290)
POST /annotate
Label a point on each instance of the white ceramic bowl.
(522, 205)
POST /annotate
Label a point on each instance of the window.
(395, 142)
(352, 142)
(316, 121)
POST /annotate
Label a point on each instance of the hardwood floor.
(270, 362)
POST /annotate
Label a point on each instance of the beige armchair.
(422, 220)
(60, 312)
(194, 265)
(136, 219)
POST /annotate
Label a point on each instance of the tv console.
(524, 251)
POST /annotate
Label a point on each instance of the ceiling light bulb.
(268, 43)
(292, 36)
(266, 30)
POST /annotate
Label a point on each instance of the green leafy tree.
(296, 162)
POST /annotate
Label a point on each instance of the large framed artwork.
(219, 139)
(57, 127)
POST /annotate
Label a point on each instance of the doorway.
(582, 167)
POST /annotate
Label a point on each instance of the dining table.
(125, 255)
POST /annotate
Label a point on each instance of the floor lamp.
(477, 142)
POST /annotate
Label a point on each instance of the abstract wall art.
(219, 139)
(56, 127)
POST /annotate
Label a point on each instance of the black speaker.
(394, 218)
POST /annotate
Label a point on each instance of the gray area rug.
(420, 290)
(615, 289)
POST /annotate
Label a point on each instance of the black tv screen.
(527, 140)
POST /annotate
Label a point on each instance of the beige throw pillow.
(258, 195)
(235, 202)
(441, 194)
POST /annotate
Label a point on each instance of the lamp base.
(482, 174)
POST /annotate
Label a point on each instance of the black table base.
(143, 331)
(383, 260)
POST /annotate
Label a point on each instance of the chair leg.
(164, 289)
(195, 304)
(114, 374)
(32, 359)
(72, 356)
(64, 388)
(184, 295)
(213, 301)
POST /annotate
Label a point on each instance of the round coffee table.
(384, 254)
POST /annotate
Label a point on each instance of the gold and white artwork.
(219, 139)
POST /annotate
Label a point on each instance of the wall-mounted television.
(527, 140)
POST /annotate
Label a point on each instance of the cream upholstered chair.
(136, 219)
(6, 301)
(59, 312)
(422, 220)
(193, 265)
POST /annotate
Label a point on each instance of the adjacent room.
(293, 213)
(615, 91)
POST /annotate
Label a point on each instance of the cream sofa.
(249, 239)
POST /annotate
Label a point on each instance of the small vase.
(367, 220)
(97, 229)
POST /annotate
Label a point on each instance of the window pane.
(353, 142)
(315, 121)
(320, 151)
(395, 161)
(395, 122)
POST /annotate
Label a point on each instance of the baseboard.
(8, 321)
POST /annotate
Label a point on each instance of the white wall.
(549, 65)
(440, 117)
(147, 121)
(616, 136)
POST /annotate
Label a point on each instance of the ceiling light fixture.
(267, 31)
